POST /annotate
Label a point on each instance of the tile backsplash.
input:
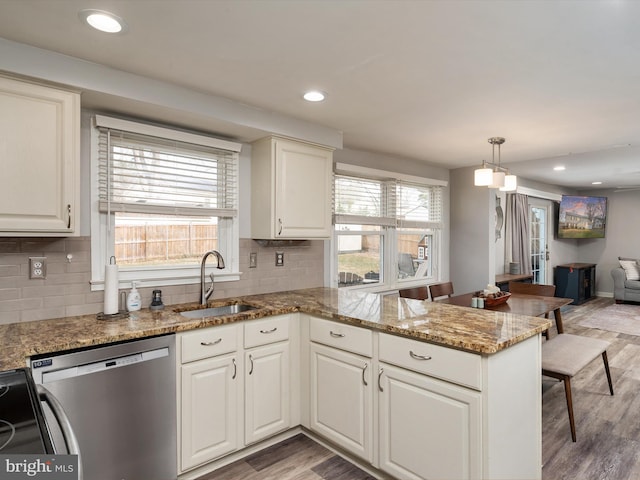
(67, 292)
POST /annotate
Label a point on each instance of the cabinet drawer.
(209, 342)
(448, 364)
(345, 337)
(265, 331)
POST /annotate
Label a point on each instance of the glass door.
(539, 245)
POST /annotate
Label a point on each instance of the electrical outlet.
(253, 260)
(37, 267)
(279, 259)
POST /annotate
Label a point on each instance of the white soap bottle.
(133, 299)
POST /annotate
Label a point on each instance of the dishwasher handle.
(70, 440)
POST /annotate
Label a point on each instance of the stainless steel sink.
(218, 311)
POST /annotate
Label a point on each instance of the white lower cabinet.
(209, 396)
(429, 429)
(267, 391)
(414, 410)
(234, 379)
(437, 413)
(209, 412)
(341, 399)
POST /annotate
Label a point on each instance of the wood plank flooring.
(297, 458)
(608, 428)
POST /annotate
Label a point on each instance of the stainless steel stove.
(22, 426)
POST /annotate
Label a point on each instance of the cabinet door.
(303, 190)
(39, 159)
(267, 391)
(429, 429)
(209, 413)
(341, 399)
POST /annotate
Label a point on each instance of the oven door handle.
(70, 438)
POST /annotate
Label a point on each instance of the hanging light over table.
(492, 174)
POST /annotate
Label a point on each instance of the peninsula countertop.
(473, 330)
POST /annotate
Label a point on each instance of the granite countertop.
(473, 330)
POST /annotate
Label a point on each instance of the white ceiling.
(427, 80)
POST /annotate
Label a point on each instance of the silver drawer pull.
(364, 369)
(208, 344)
(419, 357)
(336, 335)
(269, 331)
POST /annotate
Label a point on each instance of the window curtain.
(518, 223)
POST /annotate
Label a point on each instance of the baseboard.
(604, 294)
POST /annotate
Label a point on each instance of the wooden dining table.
(521, 304)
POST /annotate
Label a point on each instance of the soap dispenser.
(133, 299)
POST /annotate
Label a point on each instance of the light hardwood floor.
(608, 428)
(297, 458)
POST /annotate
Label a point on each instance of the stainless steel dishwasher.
(121, 403)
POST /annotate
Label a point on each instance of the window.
(162, 199)
(386, 231)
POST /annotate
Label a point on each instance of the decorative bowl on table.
(494, 299)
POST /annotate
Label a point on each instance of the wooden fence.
(406, 243)
(150, 244)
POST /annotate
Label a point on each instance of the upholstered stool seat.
(565, 355)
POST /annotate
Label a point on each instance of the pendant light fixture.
(492, 174)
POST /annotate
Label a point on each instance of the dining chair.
(418, 293)
(440, 290)
(532, 289)
(565, 355)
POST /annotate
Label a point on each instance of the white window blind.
(393, 203)
(418, 206)
(362, 201)
(141, 173)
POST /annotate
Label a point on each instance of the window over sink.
(161, 199)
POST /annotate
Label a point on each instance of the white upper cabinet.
(291, 189)
(39, 160)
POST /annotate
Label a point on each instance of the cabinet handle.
(280, 223)
(251, 366)
(209, 344)
(379, 378)
(364, 369)
(269, 331)
(69, 216)
(336, 335)
(419, 357)
(235, 369)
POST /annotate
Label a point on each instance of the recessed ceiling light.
(559, 168)
(596, 183)
(314, 96)
(103, 21)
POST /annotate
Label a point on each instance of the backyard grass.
(359, 263)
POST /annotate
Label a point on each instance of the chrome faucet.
(204, 296)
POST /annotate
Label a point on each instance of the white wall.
(622, 237)
(472, 250)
